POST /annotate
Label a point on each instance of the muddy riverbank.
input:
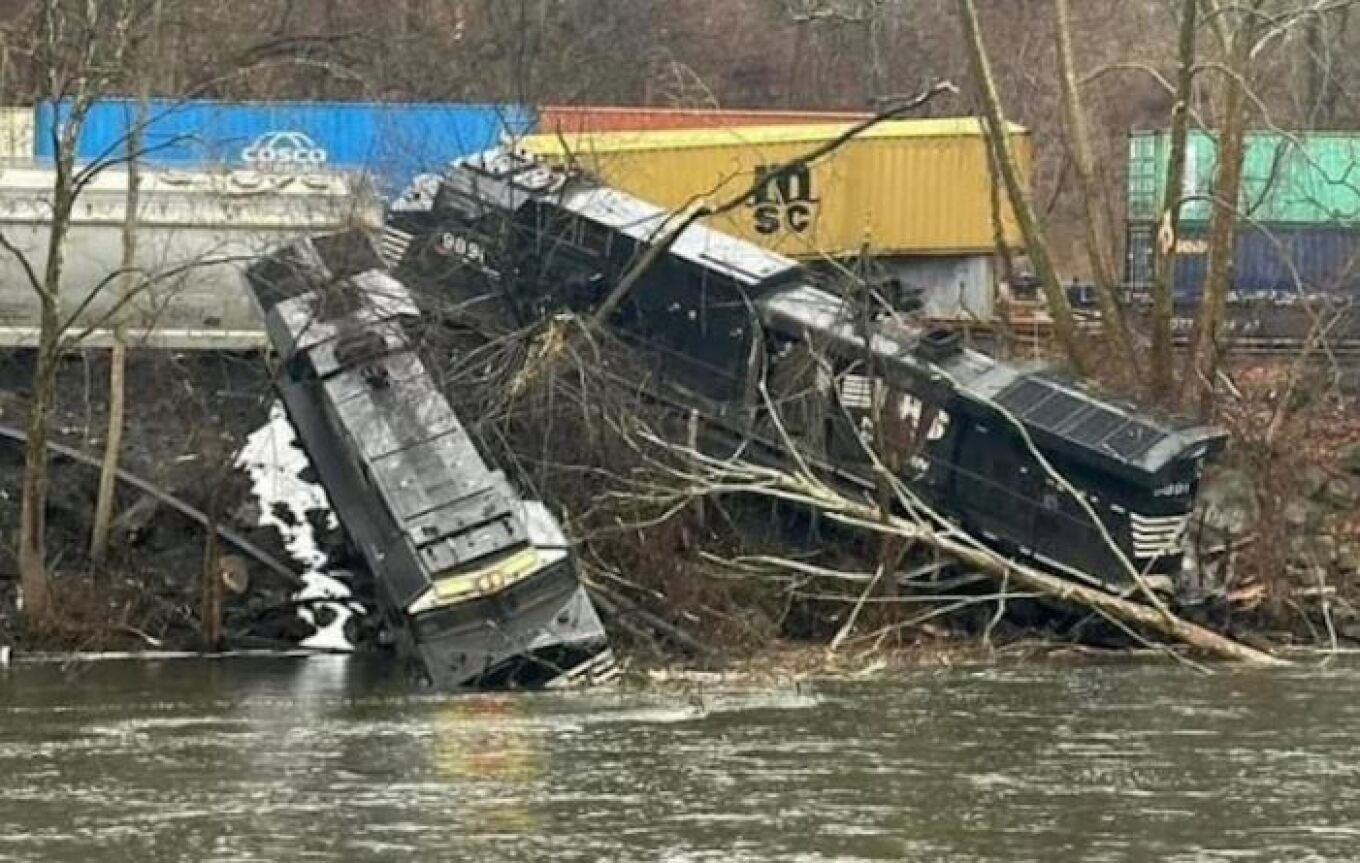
(188, 416)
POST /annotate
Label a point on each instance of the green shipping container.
(1305, 178)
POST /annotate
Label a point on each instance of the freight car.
(196, 231)
(1283, 279)
(477, 586)
(902, 187)
(505, 237)
(1298, 179)
(1297, 251)
(914, 195)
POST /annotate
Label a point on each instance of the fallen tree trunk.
(726, 477)
(1117, 607)
(1057, 587)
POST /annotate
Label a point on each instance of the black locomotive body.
(977, 438)
(477, 585)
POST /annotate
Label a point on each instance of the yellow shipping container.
(16, 133)
(908, 187)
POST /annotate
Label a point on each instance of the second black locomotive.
(997, 447)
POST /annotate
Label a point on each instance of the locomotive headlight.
(453, 588)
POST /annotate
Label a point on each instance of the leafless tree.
(79, 50)
(1036, 243)
(113, 440)
(1099, 233)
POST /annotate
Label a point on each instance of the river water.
(324, 759)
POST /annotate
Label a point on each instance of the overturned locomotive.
(477, 586)
(1039, 466)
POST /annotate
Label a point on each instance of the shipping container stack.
(390, 142)
(222, 183)
(1298, 234)
(915, 195)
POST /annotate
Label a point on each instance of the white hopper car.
(196, 231)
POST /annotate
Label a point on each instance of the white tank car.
(197, 230)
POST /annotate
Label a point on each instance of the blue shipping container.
(1275, 262)
(390, 141)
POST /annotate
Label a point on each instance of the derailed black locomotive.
(717, 315)
(477, 586)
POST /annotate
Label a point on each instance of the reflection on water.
(330, 759)
(486, 745)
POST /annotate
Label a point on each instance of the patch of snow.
(275, 463)
(330, 636)
(544, 530)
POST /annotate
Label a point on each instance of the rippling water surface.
(321, 759)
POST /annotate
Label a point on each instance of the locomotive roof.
(507, 180)
(1065, 415)
(735, 258)
(451, 507)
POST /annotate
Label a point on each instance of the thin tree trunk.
(36, 592)
(1001, 312)
(113, 440)
(1098, 231)
(33, 576)
(210, 586)
(1064, 327)
(1322, 43)
(1168, 225)
(873, 69)
(113, 445)
(1202, 363)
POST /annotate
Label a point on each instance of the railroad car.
(913, 196)
(506, 240)
(477, 586)
(1296, 256)
(197, 230)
